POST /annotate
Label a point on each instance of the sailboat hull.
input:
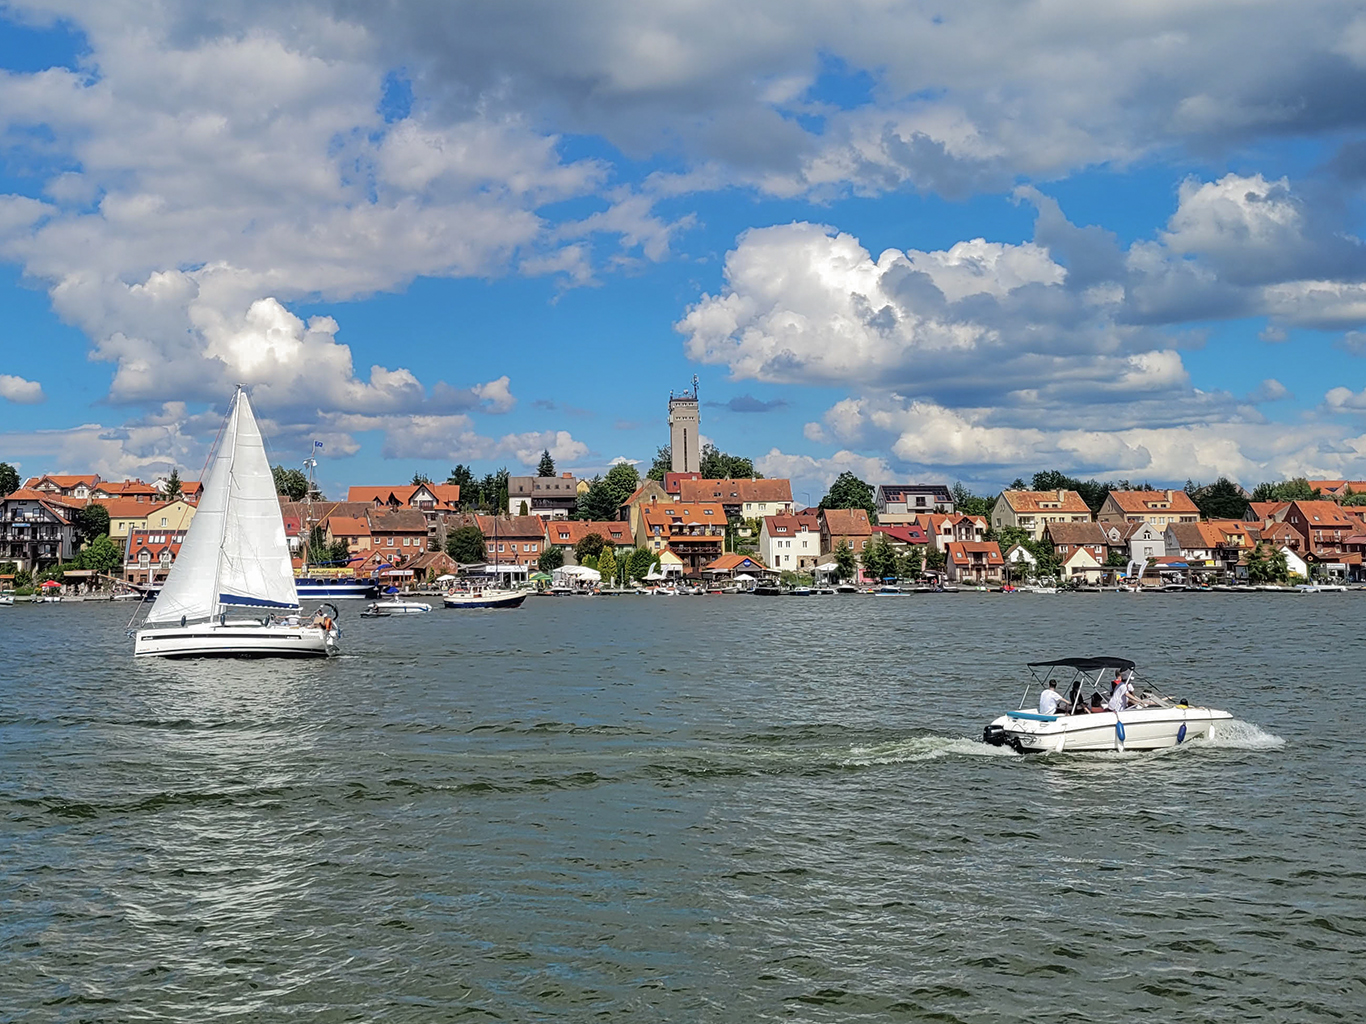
(230, 639)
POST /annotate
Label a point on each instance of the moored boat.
(1153, 722)
(484, 598)
(393, 606)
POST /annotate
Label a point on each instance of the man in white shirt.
(1050, 700)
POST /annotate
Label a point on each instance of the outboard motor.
(994, 734)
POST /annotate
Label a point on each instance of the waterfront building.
(551, 497)
(649, 492)
(1146, 542)
(129, 514)
(973, 561)
(742, 499)
(1082, 564)
(694, 531)
(907, 536)
(509, 541)
(1322, 527)
(1019, 562)
(36, 528)
(565, 534)
(1067, 538)
(850, 525)
(901, 503)
(150, 555)
(729, 565)
(684, 432)
(397, 532)
(1161, 508)
(1031, 511)
(790, 542)
(76, 486)
(353, 531)
(135, 489)
(942, 530)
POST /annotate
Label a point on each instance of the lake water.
(694, 809)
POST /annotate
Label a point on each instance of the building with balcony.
(1032, 511)
(36, 528)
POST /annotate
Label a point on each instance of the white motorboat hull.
(1143, 729)
(235, 639)
(484, 600)
(380, 609)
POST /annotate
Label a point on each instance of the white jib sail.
(235, 551)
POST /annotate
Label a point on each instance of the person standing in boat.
(1121, 693)
(1051, 702)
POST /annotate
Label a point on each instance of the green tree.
(879, 558)
(547, 464)
(290, 482)
(970, 504)
(589, 544)
(463, 477)
(551, 559)
(848, 491)
(172, 490)
(420, 478)
(607, 565)
(9, 479)
(1093, 492)
(622, 479)
(522, 509)
(911, 562)
(466, 545)
(934, 558)
(639, 563)
(663, 463)
(1297, 489)
(717, 465)
(102, 555)
(589, 562)
(1117, 559)
(1222, 499)
(91, 521)
(1350, 497)
(845, 562)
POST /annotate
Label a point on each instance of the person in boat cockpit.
(1051, 702)
(1121, 694)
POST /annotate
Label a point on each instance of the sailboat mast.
(229, 439)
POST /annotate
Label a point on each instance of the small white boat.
(1321, 588)
(484, 598)
(235, 557)
(6, 599)
(379, 609)
(1152, 723)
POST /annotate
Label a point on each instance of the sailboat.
(234, 556)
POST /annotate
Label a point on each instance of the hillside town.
(703, 517)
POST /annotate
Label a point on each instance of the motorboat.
(334, 589)
(800, 592)
(1153, 722)
(1321, 588)
(393, 606)
(846, 588)
(234, 558)
(484, 598)
(6, 599)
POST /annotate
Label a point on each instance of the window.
(163, 522)
(389, 541)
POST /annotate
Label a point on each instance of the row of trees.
(713, 465)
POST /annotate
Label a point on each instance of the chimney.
(1062, 495)
(1169, 495)
(567, 476)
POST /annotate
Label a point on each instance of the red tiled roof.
(1137, 502)
(959, 551)
(790, 525)
(847, 522)
(571, 531)
(732, 560)
(344, 526)
(1046, 501)
(911, 534)
(734, 492)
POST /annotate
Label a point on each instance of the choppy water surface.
(705, 809)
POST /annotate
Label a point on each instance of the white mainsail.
(235, 552)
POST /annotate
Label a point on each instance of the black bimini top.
(1085, 664)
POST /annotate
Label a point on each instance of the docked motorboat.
(235, 557)
(484, 598)
(393, 606)
(1152, 722)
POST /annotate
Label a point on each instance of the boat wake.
(1240, 735)
(920, 748)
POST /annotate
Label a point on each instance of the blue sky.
(916, 243)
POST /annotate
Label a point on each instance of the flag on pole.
(317, 445)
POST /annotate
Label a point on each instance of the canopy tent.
(445, 579)
(744, 577)
(540, 577)
(579, 572)
(1085, 664)
(49, 584)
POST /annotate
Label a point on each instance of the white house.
(1294, 563)
(1146, 543)
(789, 542)
(1083, 563)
